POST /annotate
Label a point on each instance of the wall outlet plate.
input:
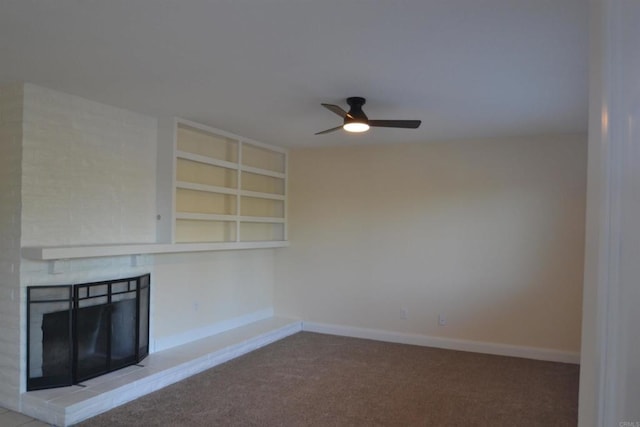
(441, 320)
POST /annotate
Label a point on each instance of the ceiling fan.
(357, 121)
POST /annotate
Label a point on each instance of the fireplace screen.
(82, 331)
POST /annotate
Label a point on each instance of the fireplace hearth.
(78, 332)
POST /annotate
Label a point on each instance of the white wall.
(626, 309)
(488, 233)
(610, 365)
(10, 188)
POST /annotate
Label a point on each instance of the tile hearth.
(68, 405)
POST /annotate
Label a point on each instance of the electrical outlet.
(441, 320)
(404, 313)
(196, 306)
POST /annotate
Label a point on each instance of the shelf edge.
(51, 253)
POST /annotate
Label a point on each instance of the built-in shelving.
(227, 188)
(215, 191)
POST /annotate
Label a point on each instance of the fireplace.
(77, 332)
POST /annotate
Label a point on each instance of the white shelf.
(205, 217)
(228, 165)
(207, 160)
(261, 195)
(226, 190)
(217, 217)
(50, 253)
(210, 188)
(265, 172)
(269, 219)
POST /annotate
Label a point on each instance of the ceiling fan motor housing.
(356, 114)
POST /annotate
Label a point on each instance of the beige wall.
(488, 233)
(194, 291)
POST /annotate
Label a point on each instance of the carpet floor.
(311, 379)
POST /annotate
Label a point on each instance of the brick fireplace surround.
(76, 172)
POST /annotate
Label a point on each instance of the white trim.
(206, 188)
(268, 219)
(205, 217)
(48, 253)
(260, 195)
(260, 171)
(165, 180)
(446, 343)
(198, 158)
(210, 330)
(239, 188)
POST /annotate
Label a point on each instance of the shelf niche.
(223, 187)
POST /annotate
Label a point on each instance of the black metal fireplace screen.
(77, 332)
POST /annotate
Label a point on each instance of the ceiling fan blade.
(328, 130)
(336, 109)
(407, 124)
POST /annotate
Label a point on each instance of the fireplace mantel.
(53, 253)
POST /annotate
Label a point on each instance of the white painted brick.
(11, 108)
(85, 173)
(88, 172)
(72, 171)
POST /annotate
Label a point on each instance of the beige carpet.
(322, 380)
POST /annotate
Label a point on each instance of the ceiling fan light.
(356, 127)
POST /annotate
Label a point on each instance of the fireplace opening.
(78, 332)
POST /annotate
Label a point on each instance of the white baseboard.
(446, 343)
(209, 330)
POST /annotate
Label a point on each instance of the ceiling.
(261, 68)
